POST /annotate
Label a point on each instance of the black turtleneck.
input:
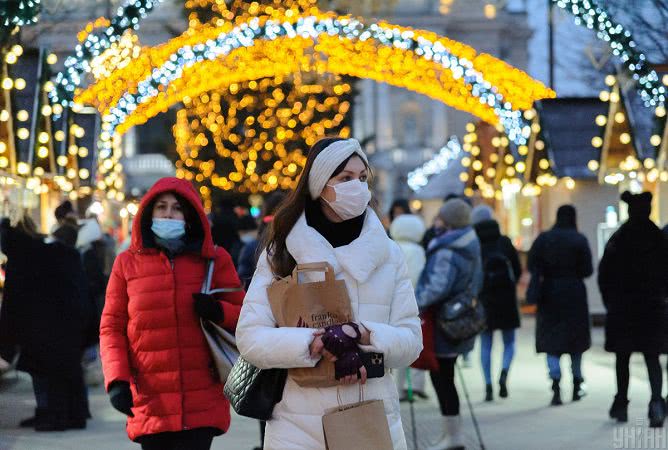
(337, 234)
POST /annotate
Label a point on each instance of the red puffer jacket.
(150, 334)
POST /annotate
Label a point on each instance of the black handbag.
(462, 318)
(254, 392)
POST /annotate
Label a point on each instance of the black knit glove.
(337, 342)
(121, 397)
(208, 308)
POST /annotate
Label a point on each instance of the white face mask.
(352, 198)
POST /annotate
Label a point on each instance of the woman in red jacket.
(157, 366)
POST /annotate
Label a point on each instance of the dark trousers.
(444, 384)
(67, 397)
(653, 371)
(197, 439)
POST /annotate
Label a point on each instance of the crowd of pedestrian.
(69, 299)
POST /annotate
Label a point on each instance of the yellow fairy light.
(83, 152)
(593, 165)
(620, 117)
(84, 174)
(490, 172)
(43, 137)
(73, 149)
(466, 161)
(625, 138)
(663, 176)
(610, 80)
(544, 164)
(601, 120)
(4, 162)
(7, 83)
(57, 109)
(660, 111)
(463, 177)
(62, 160)
(22, 115)
(523, 150)
(614, 97)
(604, 96)
(23, 168)
(494, 158)
(52, 59)
(508, 159)
(570, 183)
(38, 172)
(71, 173)
(520, 167)
(596, 141)
(17, 50)
(46, 110)
(3, 147)
(655, 140)
(649, 163)
(510, 171)
(470, 127)
(23, 133)
(43, 152)
(59, 135)
(477, 165)
(20, 84)
(4, 115)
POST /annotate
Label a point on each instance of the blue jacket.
(453, 263)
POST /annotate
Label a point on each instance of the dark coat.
(248, 262)
(562, 258)
(45, 310)
(633, 278)
(501, 302)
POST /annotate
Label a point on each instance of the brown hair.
(280, 260)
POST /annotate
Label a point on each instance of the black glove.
(121, 397)
(208, 308)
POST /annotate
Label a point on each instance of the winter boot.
(452, 438)
(503, 389)
(489, 393)
(30, 422)
(51, 421)
(619, 409)
(556, 390)
(656, 413)
(579, 389)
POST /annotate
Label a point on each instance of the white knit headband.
(328, 160)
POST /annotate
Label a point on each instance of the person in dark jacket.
(502, 270)
(249, 254)
(562, 259)
(45, 312)
(225, 231)
(399, 206)
(453, 272)
(633, 278)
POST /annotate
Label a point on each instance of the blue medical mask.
(169, 228)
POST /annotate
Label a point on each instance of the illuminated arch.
(209, 57)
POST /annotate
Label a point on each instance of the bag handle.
(339, 400)
(206, 284)
(314, 267)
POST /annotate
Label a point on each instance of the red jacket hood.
(185, 190)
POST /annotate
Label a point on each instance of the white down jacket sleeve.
(400, 340)
(260, 342)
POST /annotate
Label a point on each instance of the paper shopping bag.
(311, 305)
(361, 425)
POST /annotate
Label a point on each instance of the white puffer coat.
(382, 299)
(407, 231)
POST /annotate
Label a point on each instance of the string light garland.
(450, 152)
(18, 13)
(594, 17)
(400, 56)
(96, 42)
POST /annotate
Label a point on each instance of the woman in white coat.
(407, 230)
(327, 218)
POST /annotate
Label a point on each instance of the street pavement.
(522, 421)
